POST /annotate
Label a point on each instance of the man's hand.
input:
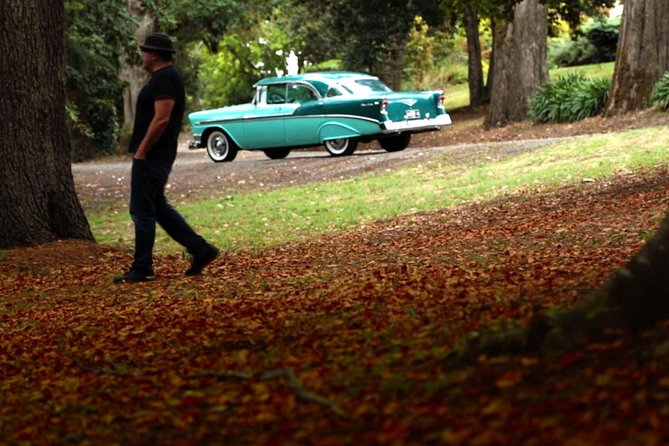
(162, 110)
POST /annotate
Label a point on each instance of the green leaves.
(660, 95)
(99, 35)
(569, 98)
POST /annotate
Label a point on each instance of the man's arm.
(162, 110)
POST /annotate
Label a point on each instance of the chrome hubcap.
(219, 146)
(338, 145)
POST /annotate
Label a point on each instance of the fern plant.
(660, 95)
(569, 98)
(590, 98)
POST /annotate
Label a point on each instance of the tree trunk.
(635, 298)
(135, 76)
(478, 94)
(520, 63)
(392, 70)
(38, 202)
(642, 56)
(491, 65)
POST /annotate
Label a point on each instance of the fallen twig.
(296, 386)
(228, 374)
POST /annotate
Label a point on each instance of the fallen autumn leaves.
(341, 340)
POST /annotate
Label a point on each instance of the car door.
(303, 127)
(264, 125)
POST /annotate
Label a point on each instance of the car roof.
(319, 76)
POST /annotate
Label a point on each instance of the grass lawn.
(300, 212)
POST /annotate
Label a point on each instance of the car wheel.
(395, 143)
(341, 146)
(278, 153)
(220, 148)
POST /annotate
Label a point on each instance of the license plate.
(412, 114)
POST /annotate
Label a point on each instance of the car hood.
(223, 113)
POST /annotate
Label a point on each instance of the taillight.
(441, 101)
(384, 106)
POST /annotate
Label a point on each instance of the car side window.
(298, 94)
(276, 94)
(332, 92)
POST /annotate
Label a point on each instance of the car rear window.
(368, 86)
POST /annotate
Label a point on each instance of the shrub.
(569, 53)
(569, 98)
(596, 42)
(603, 35)
(660, 95)
(98, 36)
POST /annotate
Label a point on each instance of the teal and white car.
(335, 109)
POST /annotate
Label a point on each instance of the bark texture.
(520, 65)
(642, 56)
(478, 94)
(635, 298)
(38, 202)
(392, 70)
(135, 76)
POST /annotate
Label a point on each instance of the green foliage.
(434, 58)
(574, 11)
(603, 34)
(419, 53)
(595, 43)
(222, 78)
(224, 46)
(193, 24)
(569, 98)
(225, 77)
(570, 52)
(327, 65)
(98, 34)
(363, 35)
(589, 71)
(571, 11)
(187, 21)
(313, 38)
(493, 9)
(660, 95)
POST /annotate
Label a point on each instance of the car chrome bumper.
(416, 124)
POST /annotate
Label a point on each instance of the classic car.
(335, 109)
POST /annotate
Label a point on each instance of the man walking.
(158, 118)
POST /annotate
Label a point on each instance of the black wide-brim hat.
(158, 42)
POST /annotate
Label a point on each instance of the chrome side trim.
(360, 118)
(242, 119)
(287, 116)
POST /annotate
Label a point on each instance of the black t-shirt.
(164, 83)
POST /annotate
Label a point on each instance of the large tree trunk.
(635, 298)
(392, 70)
(135, 76)
(642, 56)
(520, 63)
(38, 202)
(491, 65)
(478, 94)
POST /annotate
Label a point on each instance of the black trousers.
(149, 206)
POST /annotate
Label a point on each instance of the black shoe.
(201, 260)
(135, 276)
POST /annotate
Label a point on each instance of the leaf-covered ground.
(342, 340)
